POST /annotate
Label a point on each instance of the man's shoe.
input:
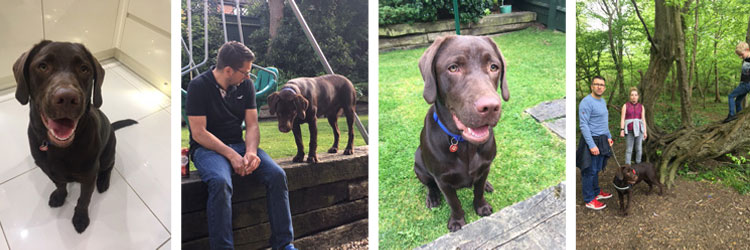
(595, 205)
(603, 195)
(290, 247)
(729, 118)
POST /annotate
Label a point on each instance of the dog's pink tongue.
(61, 128)
(480, 131)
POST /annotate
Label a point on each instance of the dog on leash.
(629, 175)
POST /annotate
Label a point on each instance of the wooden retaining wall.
(328, 202)
(405, 36)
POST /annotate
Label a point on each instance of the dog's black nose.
(66, 98)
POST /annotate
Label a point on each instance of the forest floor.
(694, 213)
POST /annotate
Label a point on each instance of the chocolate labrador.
(71, 139)
(457, 145)
(629, 175)
(303, 100)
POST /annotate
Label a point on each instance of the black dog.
(302, 100)
(71, 139)
(629, 175)
(457, 144)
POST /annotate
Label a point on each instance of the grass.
(281, 145)
(735, 175)
(529, 157)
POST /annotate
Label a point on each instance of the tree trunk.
(682, 71)
(696, 144)
(276, 13)
(673, 74)
(717, 36)
(615, 45)
(694, 80)
(716, 75)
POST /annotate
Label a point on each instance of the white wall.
(136, 32)
(144, 41)
(20, 28)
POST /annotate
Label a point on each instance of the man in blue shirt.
(738, 94)
(218, 101)
(595, 144)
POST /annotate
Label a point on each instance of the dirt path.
(689, 215)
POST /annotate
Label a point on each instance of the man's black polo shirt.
(224, 115)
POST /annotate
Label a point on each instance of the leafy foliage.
(339, 26)
(410, 11)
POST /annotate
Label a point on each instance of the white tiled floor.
(133, 214)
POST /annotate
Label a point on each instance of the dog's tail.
(123, 123)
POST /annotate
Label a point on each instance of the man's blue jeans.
(736, 97)
(590, 177)
(216, 171)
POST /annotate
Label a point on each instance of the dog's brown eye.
(84, 69)
(494, 67)
(453, 68)
(42, 66)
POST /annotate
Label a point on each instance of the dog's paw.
(102, 182)
(483, 208)
(455, 225)
(298, 158)
(433, 200)
(80, 221)
(57, 198)
(333, 150)
(312, 159)
(348, 151)
(488, 187)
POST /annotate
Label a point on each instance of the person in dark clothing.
(738, 94)
(217, 103)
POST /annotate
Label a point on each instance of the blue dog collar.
(455, 137)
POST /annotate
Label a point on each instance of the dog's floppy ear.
(21, 72)
(619, 174)
(98, 76)
(426, 66)
(272, 100)
(503, 75)
(301, 104)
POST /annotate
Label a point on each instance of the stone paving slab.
(536, 223)
(557, 127)
(551, 114)
(548, 110)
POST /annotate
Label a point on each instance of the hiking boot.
(729, 118)
(595, 205)
(603, 195)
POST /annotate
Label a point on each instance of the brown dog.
(303, 100)
(71, 139)
(457, 144)
(629, 175)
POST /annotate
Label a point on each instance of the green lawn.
(529, 157)
(281, 145)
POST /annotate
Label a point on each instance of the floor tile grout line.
(24, 172)
(154, 113)
(144, 202)
(7, 243)
(148, 86)
(165, 242)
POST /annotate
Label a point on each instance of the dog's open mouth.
(60, 131)
(474, 135)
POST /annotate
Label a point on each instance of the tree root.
(688, 145)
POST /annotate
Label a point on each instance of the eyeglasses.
(599, 85)
(243, 72)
